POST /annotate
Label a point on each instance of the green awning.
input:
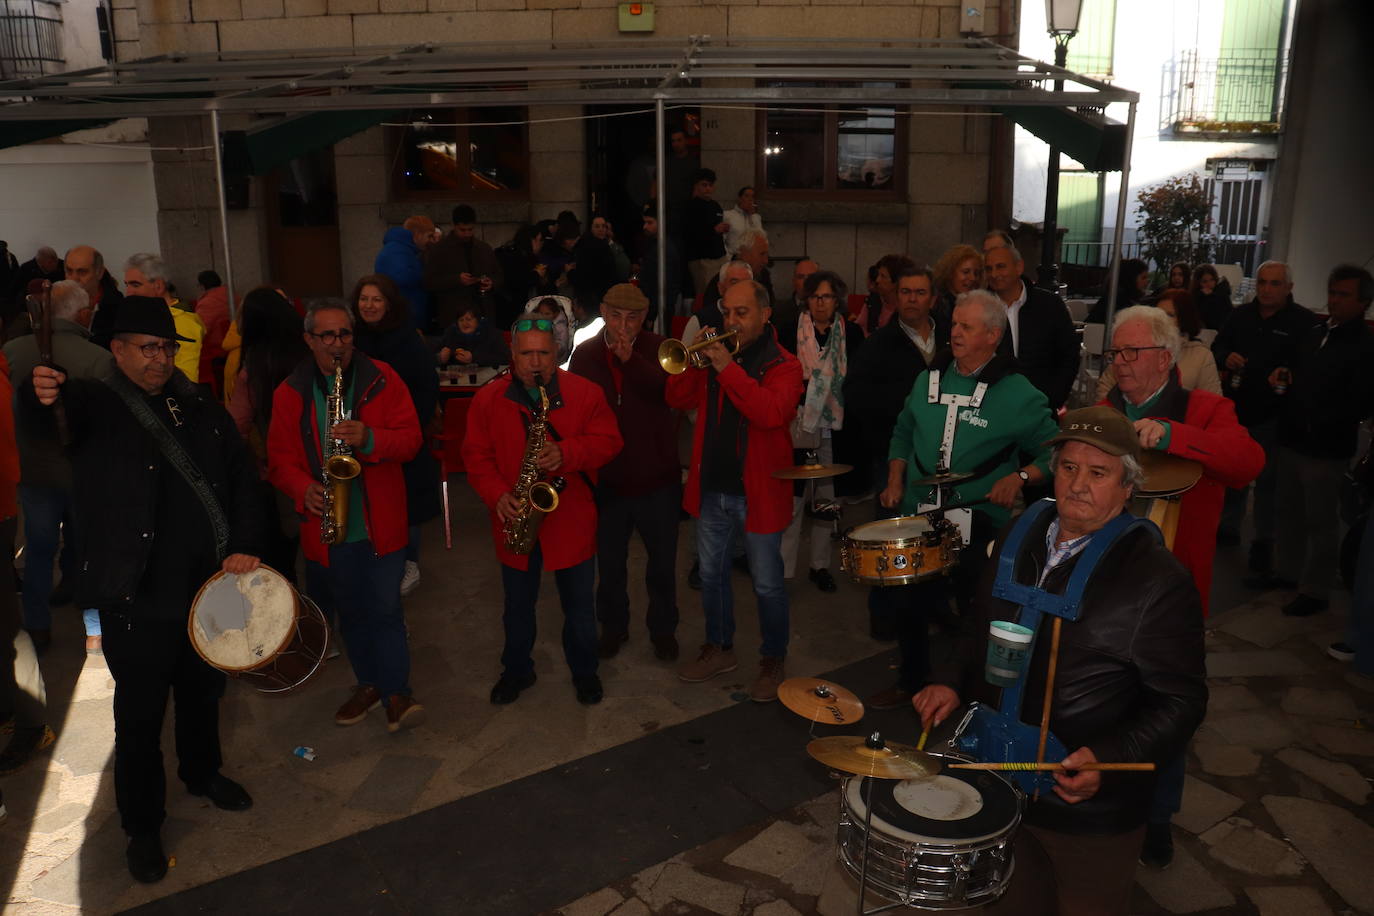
(1097, 142)
(17, 133)
(272, 144)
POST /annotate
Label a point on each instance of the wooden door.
(303, 227)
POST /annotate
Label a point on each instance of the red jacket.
(384, 406)
(1203, 427)
(582, 424)
(767, 404)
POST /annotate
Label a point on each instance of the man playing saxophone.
(538, 430)
(338, 402)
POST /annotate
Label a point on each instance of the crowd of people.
(197, 437)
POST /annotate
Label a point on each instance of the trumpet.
(674, 355)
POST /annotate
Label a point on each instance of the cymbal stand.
(875, 741)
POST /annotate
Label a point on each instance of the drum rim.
(286, 638)
(857, 812)
(871, 543)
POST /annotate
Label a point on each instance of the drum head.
(957, 806)
(241, 621)
(902, 528)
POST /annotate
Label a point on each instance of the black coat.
(595, 271)
(1332, 391)
(121, 484)
(1214, 307)
(1266, 344)
(1047, 352)
(103, 324)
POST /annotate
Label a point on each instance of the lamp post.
(1061, 20)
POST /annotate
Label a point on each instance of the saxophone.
(537, 497)
(338, 466)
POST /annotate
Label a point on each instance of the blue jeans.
(46, 510)
(721, 519)
(1359, 634)
(575, 591)
(364, 590)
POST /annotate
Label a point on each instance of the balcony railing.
(30, 38)
(1240, 93)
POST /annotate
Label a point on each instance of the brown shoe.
(765, 686)
(713, 660)
(363, 701)
(403, 712)
(891, 698)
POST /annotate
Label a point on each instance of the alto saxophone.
(338, 466)
(536, 497)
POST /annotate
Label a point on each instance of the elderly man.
(582, 436)
(1040, 332)
(460, 269)
(86, 266)
(745, 404)
(742, 217)
(641, 488)
(712, 311)
(175, 492)
(753, 250)
(146, 275)
(356, 575)
(45, 487)
(1259, 337)
(402, 259)
(787, 310)
(971, 412)
(1130, 684)
(44, 265)
(1330, 392)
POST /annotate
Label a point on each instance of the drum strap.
(171, 450)
(952, 404)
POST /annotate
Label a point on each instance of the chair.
(450, 454)
(856, 303)
(1094, 338)
(1232, 274)
(1207, 336)
(1078, 309)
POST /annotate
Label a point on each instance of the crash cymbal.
(1168, 475)
(938, 480)
(812, 471)
(872, 756)
(820, 701)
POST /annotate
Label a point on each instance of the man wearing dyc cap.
(641, 488)
(1130, 683)
(177, 497)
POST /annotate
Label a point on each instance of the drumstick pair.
(1030, 767)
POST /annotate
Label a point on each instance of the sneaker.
(363, 701)
(665, 647)
(713, 660)
(23, 746)
(891, 698)
(147, 861)
(694, 576)
(403, 712)
(1305, 606)
(1158, 849)
(1341, 652)
(610, 644)
(410, 580)
(1261, 556)
(765, 686)
(824, 581)
(507, 689)
(589, 691)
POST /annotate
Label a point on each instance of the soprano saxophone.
(338, 466)
(537, 497)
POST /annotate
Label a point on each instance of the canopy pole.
(661, 322)
(1119, 230)
(223, 213)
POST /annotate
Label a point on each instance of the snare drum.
(258, 628)
(941, 843)
(898, 551)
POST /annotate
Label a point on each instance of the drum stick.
(1049, 695)
(1028, 767)
(925, 733)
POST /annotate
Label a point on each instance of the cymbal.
(820, 701)
(855, 754)
(1168, 475)
(937, 480)
(812, 471)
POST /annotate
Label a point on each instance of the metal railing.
(30, 38)
(1239, 93)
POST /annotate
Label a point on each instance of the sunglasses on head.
(534, 324)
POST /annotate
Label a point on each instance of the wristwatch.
(1025, 477)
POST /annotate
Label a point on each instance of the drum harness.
(963, 518)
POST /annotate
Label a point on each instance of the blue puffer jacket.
(400, 260)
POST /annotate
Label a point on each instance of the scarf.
(824, 370)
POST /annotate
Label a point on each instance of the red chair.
(450, 453)
(856, 303)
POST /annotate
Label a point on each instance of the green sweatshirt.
(1013, 411)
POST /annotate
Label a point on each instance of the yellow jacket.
(233, 353)
(188, 324)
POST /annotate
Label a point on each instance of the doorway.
(303, 226)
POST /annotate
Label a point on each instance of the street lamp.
(1061, 20)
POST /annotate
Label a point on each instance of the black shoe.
(665, 647)
(507, 690)
(589, 691)
(1227, 538)
(41, 640)
(824, 581)
(694, 576)
(62, 595)
(610, 644)
(1261, 556)
(1158, 849)
(224, 792)
(1269, 583)
(741, 564)
(1305, 606)
(147, 861)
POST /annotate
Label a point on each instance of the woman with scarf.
(824, 342)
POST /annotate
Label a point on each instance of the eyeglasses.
(534, 324)
(1127, 354)
(823, 297)
(150, 350)
(333, 337)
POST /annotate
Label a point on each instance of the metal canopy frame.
(970, 72)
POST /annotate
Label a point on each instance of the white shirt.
(925, 344)
(740, 223)
(586, 332)
(1013, 313)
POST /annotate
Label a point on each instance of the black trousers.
(148, 658)
(655, 516)
(22, 702)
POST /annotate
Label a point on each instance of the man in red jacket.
(1193, 424)
(642, 488)
(744, 405)
(581, 436)
(359, 577)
